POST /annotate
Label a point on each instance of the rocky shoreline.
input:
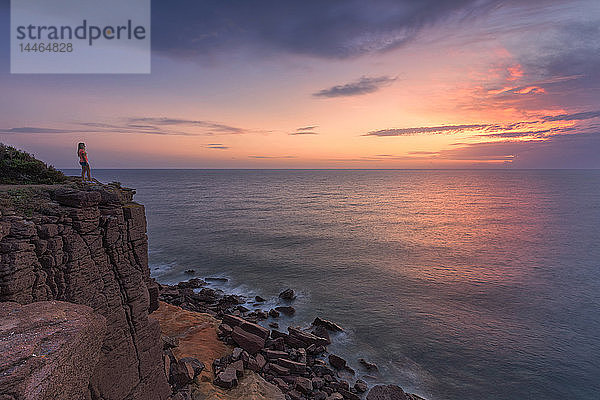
(80, 316)
(297, 361)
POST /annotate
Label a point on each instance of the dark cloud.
(217, 147)
(212, 127)
(428, 130)
(329, 29)
(307, 130)
(272, 157)
(146, 125)
(364, 85)
(28, 129)
(573, 117)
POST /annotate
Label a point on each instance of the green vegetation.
(20, 168)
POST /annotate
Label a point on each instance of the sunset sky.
(329, 84)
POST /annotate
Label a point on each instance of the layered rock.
(88, 245)
(48, 350)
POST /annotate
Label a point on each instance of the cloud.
(28, 129)
(573, 117)
(272, 157)
(428, 130)
(307, 130)
(326, 29)
(364, 85)
(212, 127)
(143, 126)
(217, 146)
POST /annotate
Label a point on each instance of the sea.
(458, 284)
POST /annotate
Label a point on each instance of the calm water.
(458, 284)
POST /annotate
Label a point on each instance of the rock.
(190, 271)
(287, 310)
(275, 354)
(252, 364)
(239, 368)
(295, 395)
(278, 369)
(237, 352)
(273, 325)
(318, 383)
(182, 373)
(331, 326)
(368, 365)
(348, 395)
(287, 294)
(387, 392)
(233, 320)
(247, 341)
(48, 350)
(360, 386)
(167, 364)
(319, 395)
(293, 366)
(335, 396)
(227, 379)
(216, 279)
(197, 365)
(193, 283)
(304, 385)
(259, 299)
(256, 329)
(306, 337)
(274, 313)
(320, 331)
(336, 361)
(169, 342)
(94, 253)
(260, 361)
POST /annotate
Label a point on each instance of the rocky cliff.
(85, 245)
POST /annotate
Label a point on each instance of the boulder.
(287, 310)
(331, 326)
(227, 379)
(182, 373)
(387, 392)
(360, 386)
(197, 365)
(247, 341)
(337, 362)
(48, 350)
(368, 365)
(304, 385)
(348, 395)
(287, 294)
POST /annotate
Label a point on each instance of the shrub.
(18, 168)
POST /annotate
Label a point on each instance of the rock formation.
(87, 245)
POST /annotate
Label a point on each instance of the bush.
(19, 168)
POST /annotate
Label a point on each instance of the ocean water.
(458, 284)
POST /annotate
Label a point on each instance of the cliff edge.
(84, 244)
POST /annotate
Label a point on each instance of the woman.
(83, 161)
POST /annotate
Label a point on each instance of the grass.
(20, 168)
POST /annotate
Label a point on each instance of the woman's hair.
(79, 147)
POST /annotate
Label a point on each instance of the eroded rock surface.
(88, 245)
(48, 350)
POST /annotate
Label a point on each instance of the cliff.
(82, 244)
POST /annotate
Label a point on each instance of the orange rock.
(197, 335)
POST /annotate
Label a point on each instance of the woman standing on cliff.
(83, 161)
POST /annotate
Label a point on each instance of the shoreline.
(297, 362)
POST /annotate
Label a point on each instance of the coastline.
(297, 363)
(73, 244)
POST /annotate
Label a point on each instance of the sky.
(329, 84)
